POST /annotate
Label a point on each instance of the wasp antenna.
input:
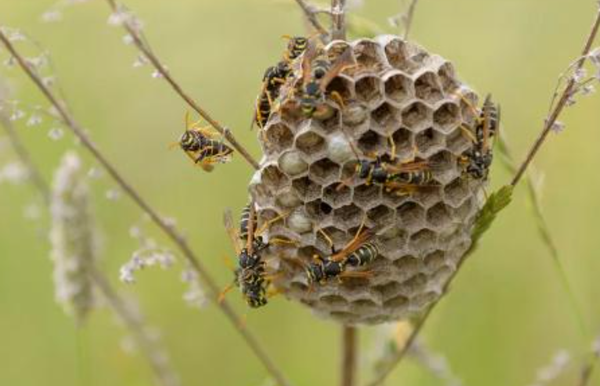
(288, 37)
(173, 145)
(187, 120)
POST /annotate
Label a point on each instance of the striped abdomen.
(245, 222)
(212, 148)
(363, 255)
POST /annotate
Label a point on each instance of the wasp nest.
(397, 93)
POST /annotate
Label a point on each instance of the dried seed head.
(73, 238)
(400, 92)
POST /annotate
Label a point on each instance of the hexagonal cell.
(392, 241)
(421, 301)
(403, 139)
(279, 137)
(337, 195)
(417, 116)
(299, 222)
(348, 216)
(427, 88)
(396, 302)
(288, 199)
(291, 163)
(266, 215)
(458, 142)
(397, 54)
(407, 264)
(324, 170)
(424, 239)
(310, 143)
(354, 114)
(428, 141)
(368, 90)
(439, 215)
(386, 116)
(334, 301)
(371, 142)
(337, 236)
(456, 192)
(427, 195)
(434, 260)
(274, 178)
(411, 213)
(447, 76)
(332, 123)
(307, 253)
(306, 188)
(340, 148)
(381, 214)
(367, 195)
(394, 198)
(318, 210)
(447, 117)
(368, 55)
(341, 85)
(468, 101)
(398, 88)
(415, 284)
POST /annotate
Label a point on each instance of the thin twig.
(163, 225)
(562, 103)
(33, 171)
(144, 342)
(142, 44)
(350, 353)
(311, 12)
(338, 19)
(408, 17)
(543, 230)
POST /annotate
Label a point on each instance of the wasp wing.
(353, 246)
(344, 61)
(232, 230)
(309, 56)
(413, 166)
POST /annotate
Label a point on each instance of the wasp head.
(188, 141)
(363, 168)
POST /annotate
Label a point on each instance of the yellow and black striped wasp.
(317, 74)
(203, 145)
(250, 275)
(477, 160)
(357, 253)
(275, 77)
(251, 270)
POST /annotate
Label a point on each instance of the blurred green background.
(507, 313)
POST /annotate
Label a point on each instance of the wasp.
(204, 145)
(357, 253)
(317, 73)
(250, 275)
(477, 160)
(273, 79)
(296, 47)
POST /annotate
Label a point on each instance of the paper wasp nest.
(401, 91)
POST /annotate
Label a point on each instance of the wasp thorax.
(398, 224)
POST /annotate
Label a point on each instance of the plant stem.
(338, 19)
(142, 44)
(33, 171)
(562, 103)
(168, 229)
(409, 16)
(160, 368)
(350, 353)
(311, 12)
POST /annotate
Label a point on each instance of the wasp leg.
(268, 223)
(358, 233)
(337, 97)
(328, 239)
(281, 241)
(392, 146)
(225, 292)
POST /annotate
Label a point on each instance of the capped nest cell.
(398, 94)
